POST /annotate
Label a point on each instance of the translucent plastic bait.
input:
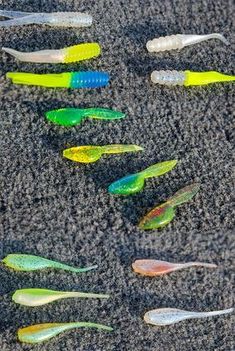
(162, 215)
(167, 316)
(73, 116)
(27, 263)
(67, 55)
(54, 19)
(72, 80)
(134, 183)
(153, 268)
(179, 41)
(90, 153)
(42, 332)
(188, 78)
(39, 297)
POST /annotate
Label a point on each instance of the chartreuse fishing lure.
(134, 183)
(90, 153)
(67, 55)
(73, 80)
(162, 215)
(73, 116)
(39, 297)
(167, 316)
(54, 19)
(27, 263)
(188, 78)
(42, 332)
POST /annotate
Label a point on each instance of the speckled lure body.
(27, 263)
(42, 332)
(73, 116)
(163, 214)
(73, 80)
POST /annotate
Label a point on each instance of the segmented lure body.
(39, 297)
(73, 80)
(167, 316)
(54, 19)
(179, 41)
(27, 263)
(67, 55)
(188, 78)
(42, 332)
(163, 214)
(73, 116)
(134, 183)
(153, 268)
(90, 153)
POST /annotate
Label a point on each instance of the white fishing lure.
(57, 19)
(167, 316)
(179, 41)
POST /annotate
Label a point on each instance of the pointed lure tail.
(158, 169)
(120, 148)
(183, 195)
(46, 80)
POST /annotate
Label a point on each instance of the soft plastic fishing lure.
(66, 55)
(73, 116)
(27, 263)
(38, 297)
(73, 80)
(179, 41)
(167, 316)
(90, 153)
(161, 215)
(134, 183)
(42, 332)
(54, 19)
(153, 268)
(188, 78)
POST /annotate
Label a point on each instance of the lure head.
(128, 185)
(65, 116)
(83, 154)
(157, 218)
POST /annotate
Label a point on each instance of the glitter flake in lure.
(67, 55)
(27, 263)
(163, 214)
(90, 153)
(167, 316)
(73, 116)
(54, 19)
(153, 268)
(38, 297)
(42, 332)
(188, 78)
(73, 80)
(134, 183)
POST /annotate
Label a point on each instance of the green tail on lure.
(42, 332)
(73, 116)
(92, 153)
(38, 297)
(134, 183)
(27, 263)
(163, 214)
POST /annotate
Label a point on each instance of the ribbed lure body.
(67, 55)
(27, 263)
(54, 19)
(134, 183)
(73, 116)
(73, 80)
(167, 316)
(188, 78)
(90, 153)
(153, 268)
(38, 297)
(42, 332)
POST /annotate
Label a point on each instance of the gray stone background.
(61, 210)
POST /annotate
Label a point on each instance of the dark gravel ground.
(60, 210)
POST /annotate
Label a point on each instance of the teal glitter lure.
(73, 116)
(134, 183)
